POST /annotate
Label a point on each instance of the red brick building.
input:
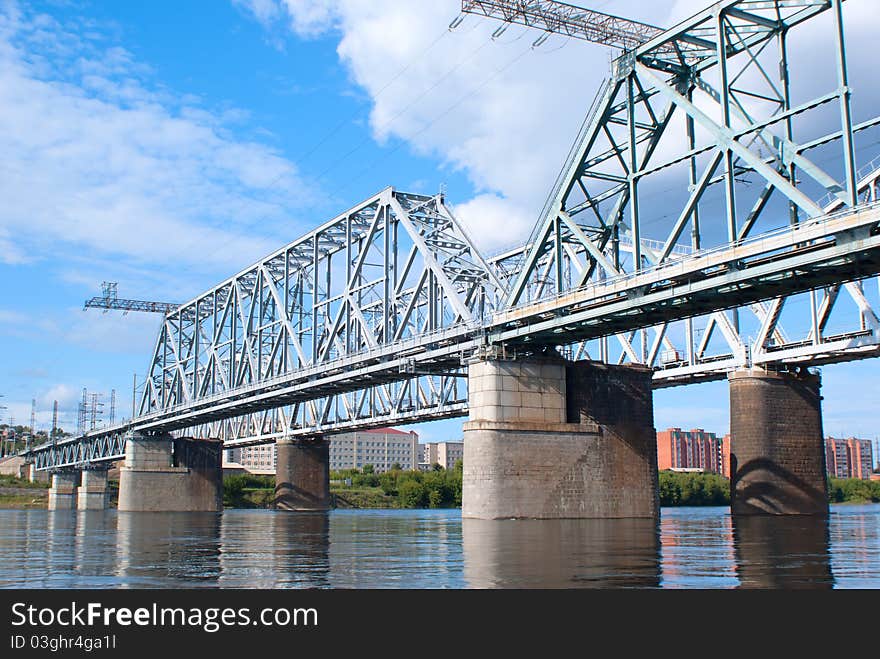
(693, 449)
(849, 458)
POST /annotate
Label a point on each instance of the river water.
(689, 548)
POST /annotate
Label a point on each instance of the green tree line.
(853, 490)
(441, 488)
(693, 489)
(438, 488)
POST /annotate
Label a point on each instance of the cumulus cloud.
(494, 222)
(99, 158)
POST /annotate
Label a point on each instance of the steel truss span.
(761, 252)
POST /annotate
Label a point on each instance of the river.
(689, 548)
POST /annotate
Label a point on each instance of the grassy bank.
(21, 493)
(22, 483)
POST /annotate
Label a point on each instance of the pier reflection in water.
(690, 548)
(264, 549)
(155, 549)
(790, 551)
(568, 553)
(95, 548)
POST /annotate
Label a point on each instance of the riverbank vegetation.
(248, 491)
(693, 489)
(397, 488)
(355, 488)
(441, 488)
(853, 490)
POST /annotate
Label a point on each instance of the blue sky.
(168, 144)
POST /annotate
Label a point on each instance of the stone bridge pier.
(62, 491)
(302, 474)
(549, 438)
(78, 489)
(92, 492)
(777, 451)
(167, 474)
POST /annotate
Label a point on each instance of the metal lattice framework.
(110, 301)
(750, 257)
(395, 272)
(706, 118)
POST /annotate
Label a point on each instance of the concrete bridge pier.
(92, 492)
(35, 476)
(62, 492)
(302, 474)
(777, 449)
(554, 439)
(167, 474)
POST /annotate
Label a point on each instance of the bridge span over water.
(714, 219)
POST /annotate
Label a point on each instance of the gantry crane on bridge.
(110, 300)
(561, 18)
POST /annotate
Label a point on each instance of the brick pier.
(777, 447)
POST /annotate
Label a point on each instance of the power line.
(401, 112)
(433, 121)
(347, 119)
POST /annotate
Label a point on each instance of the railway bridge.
(714, 219)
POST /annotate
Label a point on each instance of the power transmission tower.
(110, 300)
(54, 421)
(112, 406)
(95, 411)
(81, 413)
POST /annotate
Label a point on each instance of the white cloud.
(100, 161)
(493, 222)
(66, 395)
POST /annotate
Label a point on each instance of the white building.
(445, 454)
(259, 459)
(382, 448)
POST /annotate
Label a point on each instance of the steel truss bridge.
(715, 212)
